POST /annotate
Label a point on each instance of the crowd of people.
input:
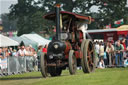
(22, 51)
(111, 54)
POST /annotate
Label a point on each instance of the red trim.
(78, 54)
(122, 33)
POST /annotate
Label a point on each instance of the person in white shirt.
(22, 51)
(101, 50)
(97, 48)
(110, 51)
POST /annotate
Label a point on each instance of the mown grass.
(109, 76)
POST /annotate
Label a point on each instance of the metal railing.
(15, 65)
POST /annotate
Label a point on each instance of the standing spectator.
(45, 49)
(113, 52)
(34, 54)
(101, 50)
(1, 57)
(97, 48)
(110, 52)
(14, 53)
(126, 58)
(123, 42)
(1, 54)
(127, 40)
(39, 51)
(5, 55)
(5, 52)
(119, 53)
(18, 48)
(0, 62)
(29, 58)
(10, 51)
(31, 50)
(35, 60)
(27, 51)
(105, 58)
(22, 51)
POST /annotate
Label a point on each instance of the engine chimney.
(57, 10)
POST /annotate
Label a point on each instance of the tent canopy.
(37, 38)
(123, 27)
(26, 41)
(6, 41)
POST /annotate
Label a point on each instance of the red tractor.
(69, 47)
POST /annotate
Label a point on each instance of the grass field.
(109, 76)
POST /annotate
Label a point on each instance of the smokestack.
(57, 9)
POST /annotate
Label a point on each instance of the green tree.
(8, 25)
(31, 23)
(28, 15)
(78, 6)
(126, 16)
(29, 12)
(111, 10)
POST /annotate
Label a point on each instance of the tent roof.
(123, 27)
(25, 40)
(18, 39)
(101, 30)
(6, 41)
(37, 38)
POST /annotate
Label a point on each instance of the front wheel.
(54, 71)
(72, 62)
(43, 65)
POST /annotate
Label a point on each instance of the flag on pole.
(119, 22)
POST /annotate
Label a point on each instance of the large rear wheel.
(88, 59)
(43, 65)
(72, 63)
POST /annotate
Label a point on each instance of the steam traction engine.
(69, 48)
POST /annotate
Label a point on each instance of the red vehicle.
(112, 34)
(68, 48)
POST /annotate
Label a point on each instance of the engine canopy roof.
(68, 15)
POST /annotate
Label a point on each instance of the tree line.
(28, 14)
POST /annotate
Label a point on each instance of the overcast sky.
(5, 4)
